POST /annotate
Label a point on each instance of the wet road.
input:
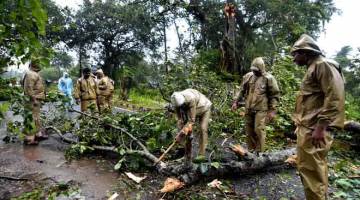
(95, 176)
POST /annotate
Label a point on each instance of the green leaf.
(216, 165)
(119, 164)
(344, 183)
(122, 152)
(39, 14)
(151, 143)
(203, 168)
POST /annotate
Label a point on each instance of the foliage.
(263, 27)
(289, 78)
(51, 193)
(21, 105)
(50, 74)
(343, 170)
(119, 31)
(23, 26)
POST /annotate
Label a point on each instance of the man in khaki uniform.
(319, 109)
(33, 88)
(190, 104)
(261, 93)
(105, 91)
(86, 90)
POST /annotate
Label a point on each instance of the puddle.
(94, 175)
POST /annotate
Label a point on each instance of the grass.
(141, 98)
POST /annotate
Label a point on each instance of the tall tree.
(117, 30)
(261, 26)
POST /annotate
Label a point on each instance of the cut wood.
(171, 184)
(136, 179)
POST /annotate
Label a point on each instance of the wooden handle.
(167, 151)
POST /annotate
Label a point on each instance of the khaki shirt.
(106, 86)
(85, 89)
(195, 104)
(322, 97)
(260, 93)
(33, 85)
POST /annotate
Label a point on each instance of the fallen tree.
(246, 164)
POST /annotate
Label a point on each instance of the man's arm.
(273, 93)
(240, 94)
(191, 112)
(333, 88)
(102, 84)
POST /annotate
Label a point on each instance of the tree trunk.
(165, 48)
(229, 58)
(181, 48)
(80, 60)
(251, 165)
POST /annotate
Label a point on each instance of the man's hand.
(271, 115)
(187, 129)
(234, 106)
(318, 135)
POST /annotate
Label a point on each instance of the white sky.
(340, 31)
(343, 29)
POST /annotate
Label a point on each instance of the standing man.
(65, 86)
(188, 105)
(86, 90)
(34, 89)
(105, 91)
(319, 110)
(261, 93)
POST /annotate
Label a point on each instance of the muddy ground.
(25, 168)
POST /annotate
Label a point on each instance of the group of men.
(89, 92)
(319, 110)
(94, 93)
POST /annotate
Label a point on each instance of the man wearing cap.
(33, 88)
(188, 105)
(85, 91)
(261, 93)
(319, 110)
(65, 86)
(105, 91)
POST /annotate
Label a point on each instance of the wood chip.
(215, 183)
(172, 184)
(238, 149)
(134, 178)
(114, 196)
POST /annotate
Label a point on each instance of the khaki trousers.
(312, 164)
(202, 136)
(255, 124)
(104, 103)
(86, 103)
(34, 119)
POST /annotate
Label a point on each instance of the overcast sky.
(340, 31)
(343, 29)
